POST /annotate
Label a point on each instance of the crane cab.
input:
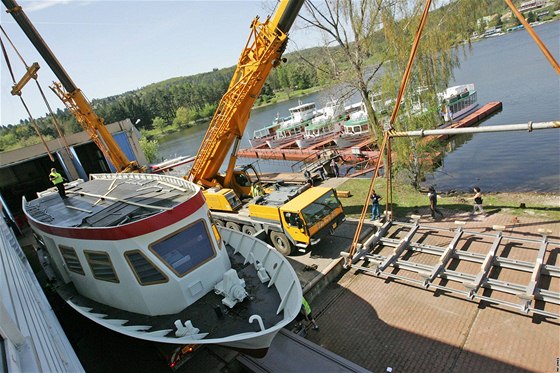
(230, 199)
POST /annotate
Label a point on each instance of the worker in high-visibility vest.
(256, 190)
(58, 182)
(305, 313)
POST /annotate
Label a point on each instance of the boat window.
(71, 259)
(101, 266)
(144, 270)
(186, 249)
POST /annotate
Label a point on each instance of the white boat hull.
(348, 140)
(274, 143)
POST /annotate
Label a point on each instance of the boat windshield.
(186, 249)
(320, 208)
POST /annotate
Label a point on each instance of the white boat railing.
(168, 180)
(34, 340)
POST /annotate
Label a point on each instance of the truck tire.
(249, 229)
(281, 243)
(234, 226)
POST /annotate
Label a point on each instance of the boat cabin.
(303, 112)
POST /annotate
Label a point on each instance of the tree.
(531, 17)
(349, 33)
(366, 38)
(150, 149)
(159, 123)
(182, 118)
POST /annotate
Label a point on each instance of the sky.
(111, 47)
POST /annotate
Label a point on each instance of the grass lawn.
(407, 201)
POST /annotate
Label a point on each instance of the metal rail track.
(489, 261)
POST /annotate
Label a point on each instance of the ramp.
(291, 353)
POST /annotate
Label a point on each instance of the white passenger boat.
(292, 129)
(325, 125)
(287, 133)
(262, 135)
(457, 101)
(139, 254)
(354, 131)
(303, 112)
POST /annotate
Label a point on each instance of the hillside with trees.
(356, 62)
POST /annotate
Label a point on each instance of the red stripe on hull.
(150, 224)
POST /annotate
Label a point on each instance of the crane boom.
(72, 96)
(262, 52)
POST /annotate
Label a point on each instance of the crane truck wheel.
(249, 229)
(234, 226)
(281, 243)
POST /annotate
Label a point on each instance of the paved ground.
(380, 323)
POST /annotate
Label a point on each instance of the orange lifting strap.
(386, 139)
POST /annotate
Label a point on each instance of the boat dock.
(473, 118)
(359, 152)
(288, 152)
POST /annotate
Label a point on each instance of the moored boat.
(354, 132)
(293, 128)
(457, 101)
(139, 254)
(303, 112)
(356, 128)
(323, 126)
(262, 135)
(286, 134)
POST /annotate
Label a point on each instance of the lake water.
(510, 69)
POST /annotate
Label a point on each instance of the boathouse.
(24, 172)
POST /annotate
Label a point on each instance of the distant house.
(530, 5)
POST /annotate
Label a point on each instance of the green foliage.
(159, 124)
(182, 118)
(150, 149)
(531, 17)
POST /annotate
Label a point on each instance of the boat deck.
(208, 314)
(107, 202)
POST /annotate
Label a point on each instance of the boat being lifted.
(139, 254)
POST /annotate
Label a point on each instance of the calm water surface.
(510, 69)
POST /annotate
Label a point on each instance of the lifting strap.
(386, 146)
(18, 93)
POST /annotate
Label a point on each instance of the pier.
(359, 152)
(473, 118)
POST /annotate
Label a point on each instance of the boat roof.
(320, 124)
(108, 200)
(302, 106)
(355, 122)
(294, 125)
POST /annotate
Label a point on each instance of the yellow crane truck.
(291, 216)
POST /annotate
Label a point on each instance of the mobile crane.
(72, 97)
(290, 216)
